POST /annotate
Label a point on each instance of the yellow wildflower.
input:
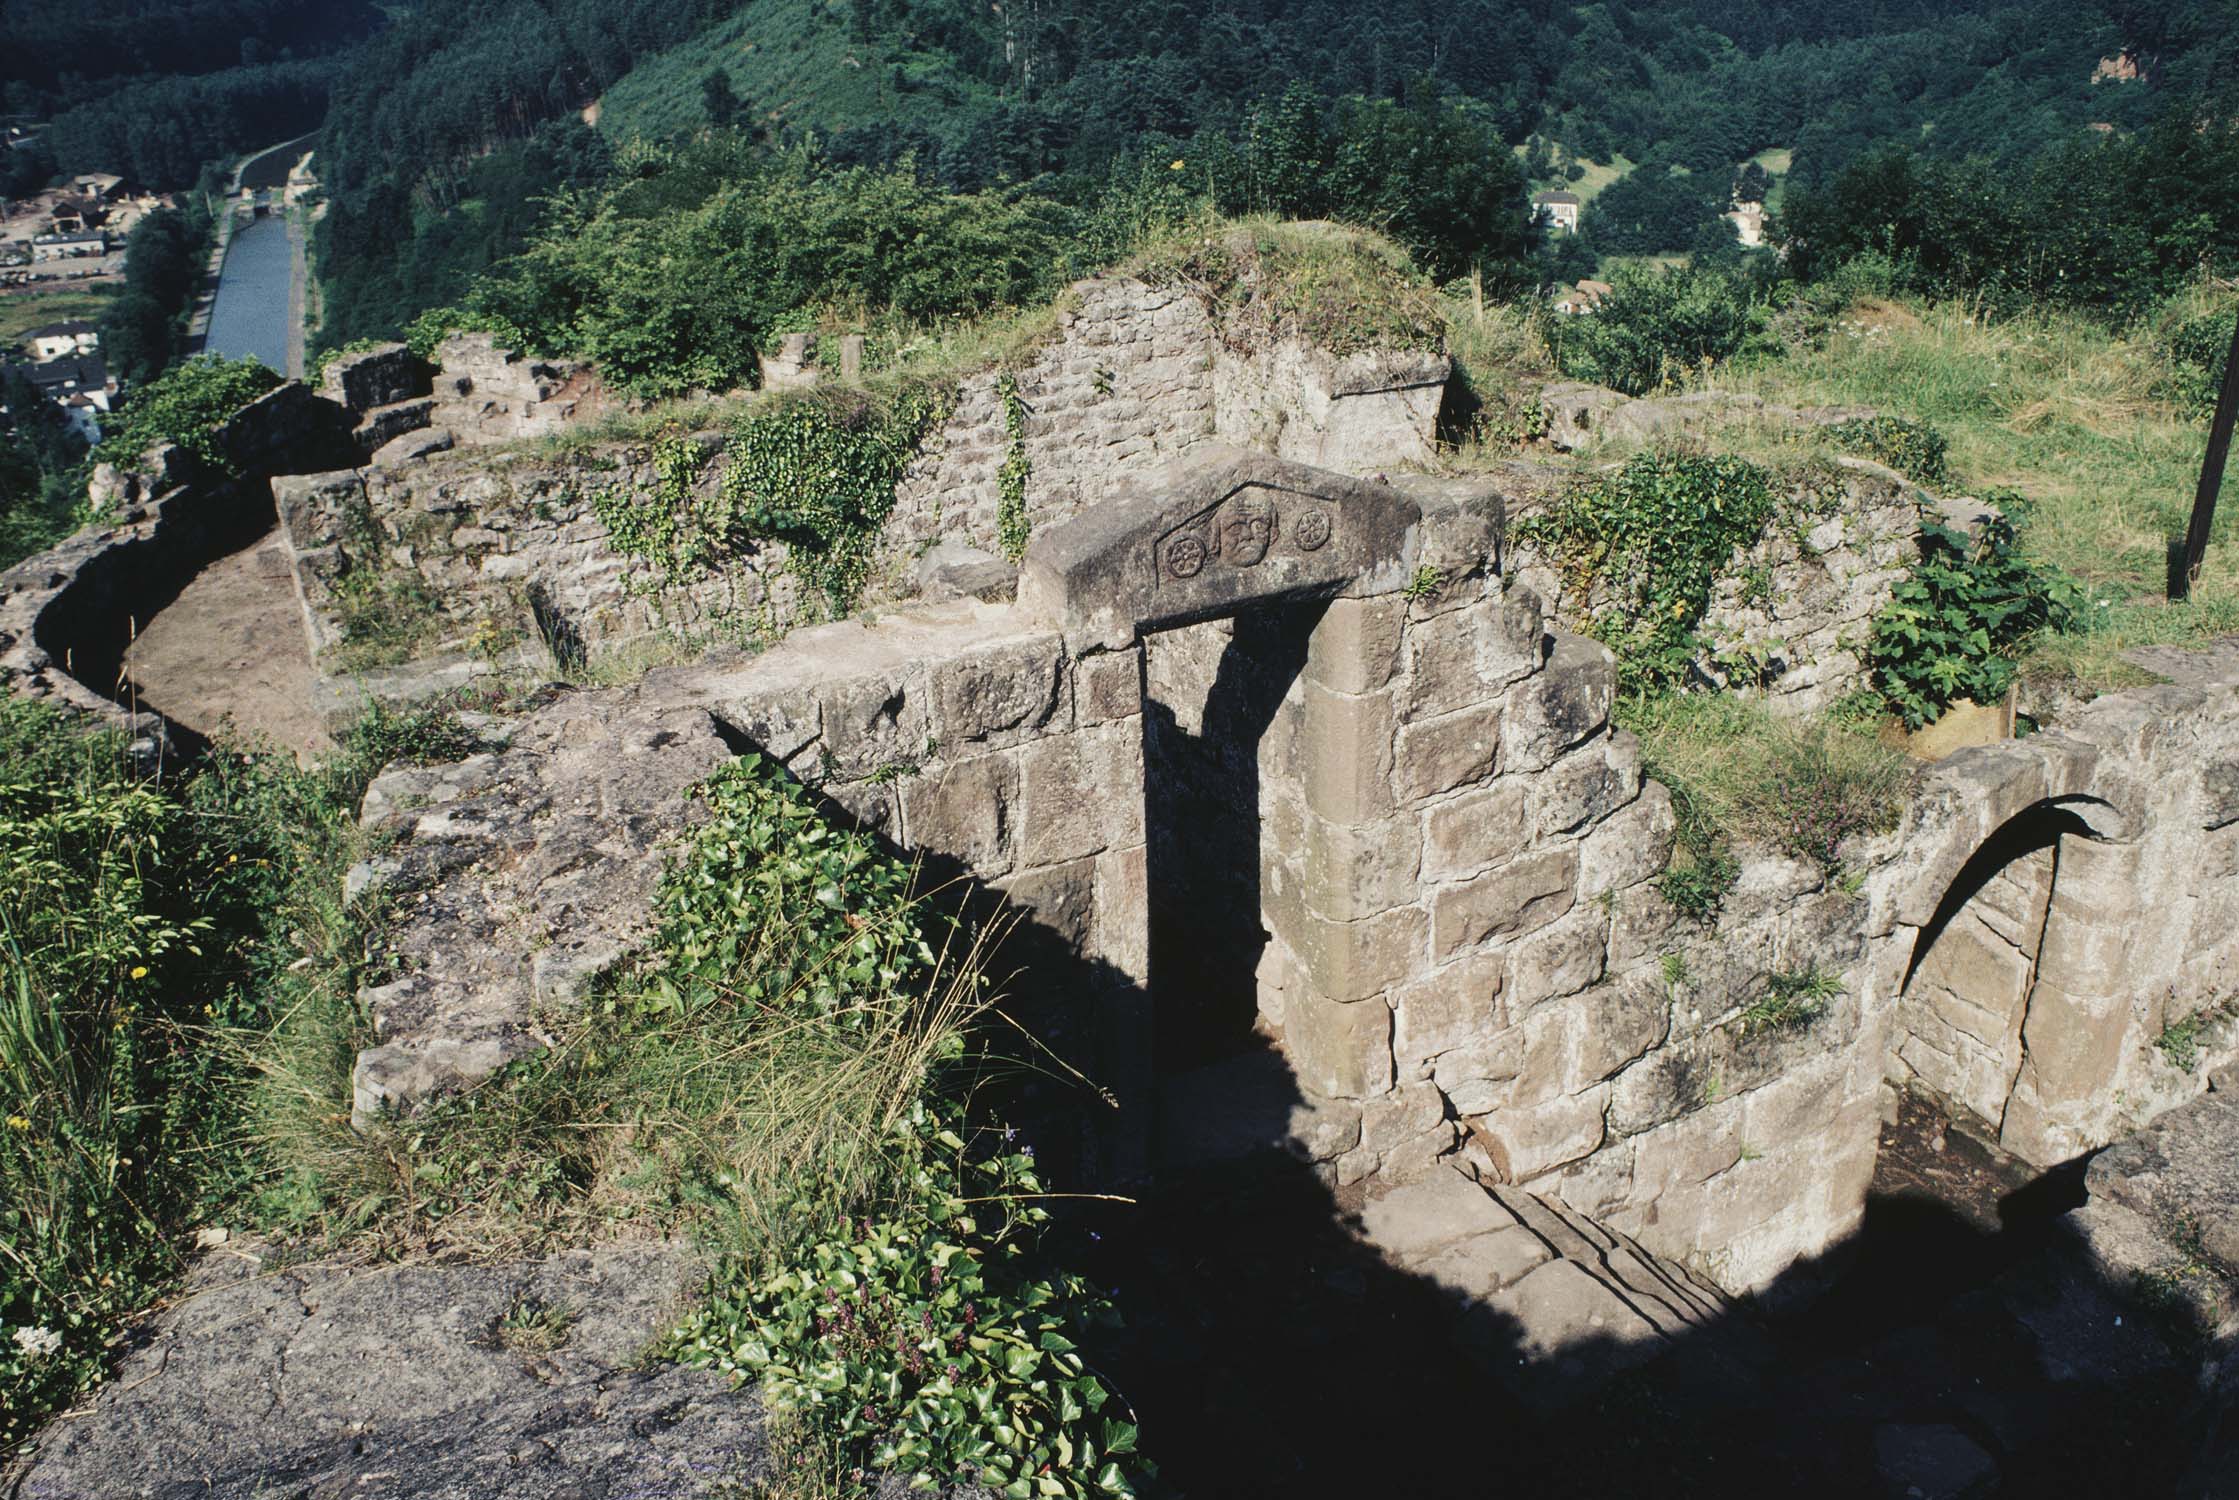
(139, 971)
(1177, 164)
(18, 1122)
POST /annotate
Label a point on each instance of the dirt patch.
(231, 651)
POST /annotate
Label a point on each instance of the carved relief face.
(1247, 529)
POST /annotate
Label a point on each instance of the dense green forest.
(155, 89)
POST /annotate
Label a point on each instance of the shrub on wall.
(1953, 626)
(1657, 328)
(186, 406)
(1914, 449)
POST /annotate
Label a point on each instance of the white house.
(1558, 211)
(1748, 220)
(59, 340)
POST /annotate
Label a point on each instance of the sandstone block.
(991, 694)
(964, 809)
(1353, 961)
(1470, 834)
(1622, 1021)
(1123, 935)
(1481, 1266)
(1632, 846)
(1560, 959)
(1521, 896)
(1587, 785)
(1439, 755)
(871, 724)
(1406, 1114)
(1457, 1005)
(1353, 871)
(1348, 748)
(1058, 898)
(1355, 645)
(1563, 705)
(1529, 1142)
(1343, 1051)
(1108, 685)
(1422, 1218)
(1080, 793)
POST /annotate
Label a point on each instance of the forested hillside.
(154, 89)
(455, 121)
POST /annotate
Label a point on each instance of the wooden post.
(2211, 475)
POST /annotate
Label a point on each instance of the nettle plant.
(1952, 627)
(928, 1342)
(1645, 545)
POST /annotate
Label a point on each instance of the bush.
(1658, 328)
(2192, 348)
(1914, 449)
(1953, 626)
(926, 1343)
(186, 406)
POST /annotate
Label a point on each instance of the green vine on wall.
(1649, 541)
(681, 531)
(816, 470)
(1011, 525)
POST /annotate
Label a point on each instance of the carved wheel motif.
(1185, 556)
(1311, 530)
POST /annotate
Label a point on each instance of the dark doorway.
(1220, 719)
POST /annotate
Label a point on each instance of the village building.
(45, 247)
(60, 340)
(1558, 211)
(1748, 220)
(83, 378)
(1586, 297)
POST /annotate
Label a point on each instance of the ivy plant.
(1645, 545)
(1953, 625)
(927, 1343)
(771, 904)
(1011, 525)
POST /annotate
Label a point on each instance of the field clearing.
(2065, 414)
(20, 312)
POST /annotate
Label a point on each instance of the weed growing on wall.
(1645, 545)
(1738, 773)
(1914, 449)
(1791, 1000)
(816, 470)
(1011, 525)
(676, 528)
(1953, 627)
(145, 925)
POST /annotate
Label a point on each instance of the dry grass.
(2064, 413)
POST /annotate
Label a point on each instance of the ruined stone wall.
(1790, 613)
(1125, 384)
(2054, 905)
(488, 533)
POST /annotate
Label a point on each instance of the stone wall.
(1125, 384)
(68, 614)
(1791, 611)
(2054, 905)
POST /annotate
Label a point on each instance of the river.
(250, 316)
